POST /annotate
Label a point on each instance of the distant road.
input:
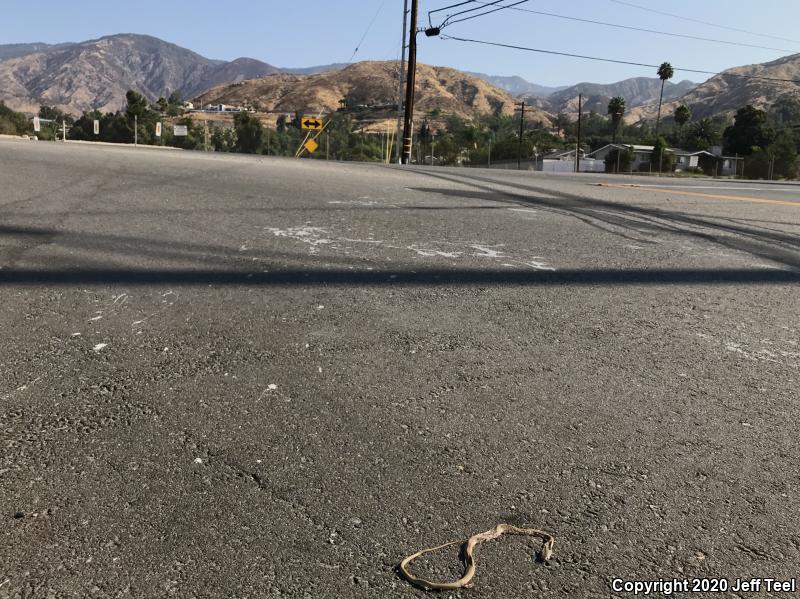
(233, 376)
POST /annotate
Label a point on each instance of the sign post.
(37, 124)
(180, 130)
(158, 129)
(96, 127)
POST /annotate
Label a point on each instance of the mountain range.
(97, 73)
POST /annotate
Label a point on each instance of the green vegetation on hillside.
(769, 141)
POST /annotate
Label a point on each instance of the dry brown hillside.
(726, 93)
(449, 90)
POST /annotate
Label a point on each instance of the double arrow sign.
(312, 123)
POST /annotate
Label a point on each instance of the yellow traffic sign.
(312, 122)
(311, 146)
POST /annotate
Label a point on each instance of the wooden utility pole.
(400, 88)
(408, 125)
(578, 147)
(521, 131)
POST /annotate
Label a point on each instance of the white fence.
(588, 165)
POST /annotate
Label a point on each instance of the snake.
(469, 558)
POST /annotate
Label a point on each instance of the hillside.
(98, 73)
(636, 91)
(517, 86)
(726, 93)
(371, 82)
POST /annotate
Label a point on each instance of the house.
(712, 163)
(641, 155)
(562, 154)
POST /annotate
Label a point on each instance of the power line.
(369, 27)
(449, 22)
(631, 28)
(596, 58)
(668, 14)
(481, 5)
(430, 12)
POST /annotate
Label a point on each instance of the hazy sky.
(312, 32)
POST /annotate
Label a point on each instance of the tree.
(682, 115)
(161, 105)
(665, 72)
(281, 124)
(702, 135)
(662, 157)
(249, 133)
(784, 154)
(618, 161)
(749, 132)
(561, 123)
(54, 114)
(13, 123)
(616, 108)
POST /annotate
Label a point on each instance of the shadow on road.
(765, 243)
(426, 277)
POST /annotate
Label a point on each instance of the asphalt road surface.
(254, 377)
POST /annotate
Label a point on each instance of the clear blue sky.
(312, 32)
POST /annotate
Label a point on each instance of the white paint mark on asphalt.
(534, 264)
(314, 236)
(95, 318)
(320, 307)
(429, 253)
(272, 386)
(523, 210)
(198, 461)
(121, 296)
(76, 335)
(488, 251)
(634, 247)
(100, 346)
(359, 240)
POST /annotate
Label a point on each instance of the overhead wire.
(448, 22)
(642, 29)
(367, 30)
(481, 5)
(709, 23)
(611, 60)
(430, 12)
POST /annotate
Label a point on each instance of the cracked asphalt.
(227, 376)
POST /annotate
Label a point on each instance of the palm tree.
(682, 115)
(616, 108)
(665, 71)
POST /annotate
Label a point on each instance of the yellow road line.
(706, 195)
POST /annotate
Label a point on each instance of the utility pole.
(400, 88)
(205, 134)
(521, 131)
(408, 125)
(135, 130)
(64, 129)
(578, 147)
